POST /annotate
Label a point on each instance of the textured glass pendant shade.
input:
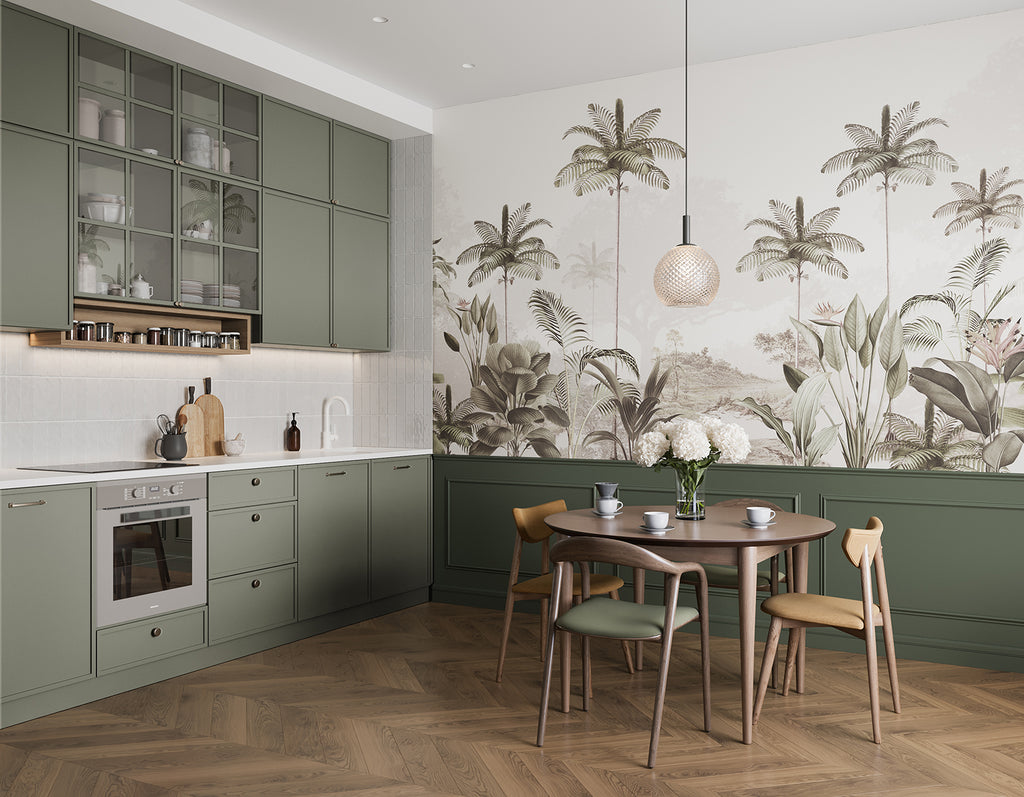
(686, 276)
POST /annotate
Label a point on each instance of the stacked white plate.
(232, 295)
(211, 293)
(192, 291)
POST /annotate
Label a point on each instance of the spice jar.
(211, 340)
(122, 337)
(234, 341)
(104, 331)
(153, 336)
(166, 336)
(87, 330)
(225, 340)
(195, 339)
(140, 338)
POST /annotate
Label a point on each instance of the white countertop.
(13, 478)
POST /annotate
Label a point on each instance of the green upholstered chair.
(859, 618)
(530, 528)
(600, 617)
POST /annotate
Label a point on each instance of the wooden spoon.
(182, 422)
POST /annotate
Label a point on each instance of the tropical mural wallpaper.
(869, 238)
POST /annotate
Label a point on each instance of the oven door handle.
(159, 513)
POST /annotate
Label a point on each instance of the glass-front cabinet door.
(219, 126)
(219, 228)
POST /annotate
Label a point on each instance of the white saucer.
(655, 531)
(748, 524)
(615, 514)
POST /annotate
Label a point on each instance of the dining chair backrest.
(856, 540)
(530, 520)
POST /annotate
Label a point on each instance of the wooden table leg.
(801, 554)
(639, 579)
(748, 605)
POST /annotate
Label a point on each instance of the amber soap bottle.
(292, 436)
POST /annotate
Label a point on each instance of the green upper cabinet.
(219, 126)
(360, 171)
(35, 213)
(296, 272)
(296, 151)
(35, 64)
(359, 313)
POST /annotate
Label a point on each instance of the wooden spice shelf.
(135, 318)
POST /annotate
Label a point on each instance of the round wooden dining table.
(721, 538)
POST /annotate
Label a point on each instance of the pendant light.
(686, 276)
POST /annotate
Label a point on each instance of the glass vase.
(689, 498)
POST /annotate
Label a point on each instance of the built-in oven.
(150, 547)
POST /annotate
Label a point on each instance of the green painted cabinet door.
(333, 537)
(360, 290)
(35, 71)
(296, 272)
(35, 248)
(45, 588)
(400, 526)
(296, 151)
(360, 171)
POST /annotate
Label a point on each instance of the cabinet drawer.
(251, 538)
(150, 639)
(252, 602)
(248, 487)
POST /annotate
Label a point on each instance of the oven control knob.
(176, 489)
(138, 492)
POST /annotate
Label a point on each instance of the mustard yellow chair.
(530, 528)
(863, 547)
(600, 617)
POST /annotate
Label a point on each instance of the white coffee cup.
(656, 520)
(759, 515)
(608, 506)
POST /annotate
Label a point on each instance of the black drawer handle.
(11, 505)
(336, 473)
(155, 632)
(255, 583)
(256, 482)
(256, 517)
(402, 467)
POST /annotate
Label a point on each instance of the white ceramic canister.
(112, 127)
(198, 147)
(88, 117)
(221, 157)
(86, 275)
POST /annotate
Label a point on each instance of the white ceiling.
(327, 55)
(531, 45)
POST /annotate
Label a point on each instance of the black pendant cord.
(686, 123)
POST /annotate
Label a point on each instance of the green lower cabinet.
(45, 588)
(150, 639)
(244, 488)
(400, 543)
(241, 540)
(333, 537)
(251, 602)
(35, 247)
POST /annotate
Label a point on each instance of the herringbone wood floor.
(407, 705)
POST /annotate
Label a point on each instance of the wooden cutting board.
(195, 428)
(213, 419)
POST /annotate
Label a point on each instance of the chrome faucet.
(327, 435)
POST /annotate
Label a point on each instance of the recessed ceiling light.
(380, 20)
(468, 65)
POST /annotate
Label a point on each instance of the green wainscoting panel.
(954, 543)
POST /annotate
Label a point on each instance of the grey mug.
(171, 446)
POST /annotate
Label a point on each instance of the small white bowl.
(233, 447)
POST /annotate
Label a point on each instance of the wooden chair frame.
(863, 548)
(585, 550)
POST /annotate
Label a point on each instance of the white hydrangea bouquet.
(690, 448)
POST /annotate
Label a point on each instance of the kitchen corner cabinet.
(400, 522)
(360, 171)
(35, 64)
(45, 588)
(35, 178)
(334, 541)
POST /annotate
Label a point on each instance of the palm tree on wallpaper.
(589, 268)
(988, 205)
(509, 251)
(795, 243)
(618, 150)
(893, 154)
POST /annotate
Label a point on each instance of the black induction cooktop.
(108, 467)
